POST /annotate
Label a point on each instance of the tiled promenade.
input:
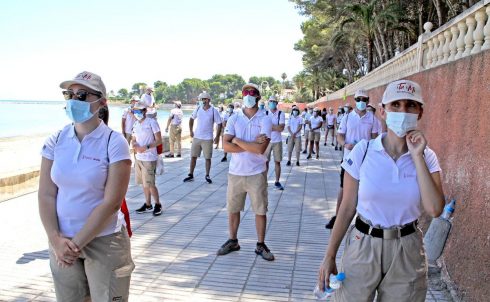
(175, 253)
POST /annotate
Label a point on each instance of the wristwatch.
(147, 147)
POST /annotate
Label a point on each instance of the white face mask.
(249, 101)
(400, 122)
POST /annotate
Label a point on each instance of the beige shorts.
(275, 148)
(102, 272)
(394, 268)
(255, 186)
(145, 173)
(205, 145)
(292, 142)
(315, 136)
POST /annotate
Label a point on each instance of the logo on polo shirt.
(90, 158)
(350, 162)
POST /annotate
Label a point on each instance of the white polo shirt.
(144, 133)
(205, 122)
(330, 119)
(239, 125)
(277, 118)
(147, 99)
(295, 123)
(80, 172)
(315, 122)
(389, 193)
(306, 118)
(357, 128)
(130, 119)
(177, 116)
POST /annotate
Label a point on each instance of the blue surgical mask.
(200, 103)
(295, 113)
(400, 122)
(346, 109)
(79, 111)
(261, 106)
(249, 101)
(272, 105)
(139, 116)
(361, 106)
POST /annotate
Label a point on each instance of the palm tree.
(367, 18)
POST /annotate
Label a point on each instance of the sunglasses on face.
(252, 92)
(204, 100)
(81, 95)
(365, 100)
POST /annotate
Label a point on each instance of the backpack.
(278, 115)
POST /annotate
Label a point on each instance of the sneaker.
(157, 211)
(189, 178)
(325, 144)
(297, 163)
(178, 155)
(309, 156)
(264, 251)
(336, 148)
(318, 157)
(340, 148)
(313, 152)
(333, 145)
(144, 209)
(278, 186)
(208, 179)
(330, 224)
(169, 155)
(304, 152)
(288, 163)
(229, 246)
(224, 159)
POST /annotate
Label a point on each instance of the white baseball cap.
(402, 90)
(204, 95)
(87, 79)
(135, 98)
(140, 105)
(272, 99)
(361, 93)
(252, 85)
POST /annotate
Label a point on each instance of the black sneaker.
(313, 152)
(144, 209)
(304, 152)
(288, 163)
(208, 179)
(333, 145)
(325, 143)
(189, 178)
(297, 163)
(229, 246)
(157, 211)
(308, 157)
(278, 186)
(336, 148)
(264, 251)
(330, 224)
(169, 155)
(178, 155)
(224, 159)
(340, 148)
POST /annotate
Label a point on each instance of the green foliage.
(122, 93)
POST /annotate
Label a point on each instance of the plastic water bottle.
(335, 283)
(448, 210)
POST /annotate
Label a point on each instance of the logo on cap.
(405, 87)
(84, 75)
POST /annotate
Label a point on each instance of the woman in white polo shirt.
(389, 182)
(84, 175)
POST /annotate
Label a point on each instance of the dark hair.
(104, 114)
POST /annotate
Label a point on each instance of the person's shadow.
(28, 257)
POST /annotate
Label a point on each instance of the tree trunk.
(383, 43)
(420, 10)
(369, 46)
(377, 46)
(438, 7)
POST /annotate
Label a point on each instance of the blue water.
(27, 118)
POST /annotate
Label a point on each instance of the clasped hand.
(65, 251)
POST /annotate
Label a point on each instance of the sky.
(46, 42)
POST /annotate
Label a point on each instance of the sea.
(33, 118)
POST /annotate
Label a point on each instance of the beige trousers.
(175, 138)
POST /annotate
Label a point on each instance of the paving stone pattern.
(175, 253)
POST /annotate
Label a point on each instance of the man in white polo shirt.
(146, 138)
(306, 120)
(295, 124)
(148, 99)
(247, 136)
(278, 122)
(202, 139)
(316, 122)
(128, 119)
(175, 121)
(357, 125)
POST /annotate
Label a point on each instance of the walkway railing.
(465, 35)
